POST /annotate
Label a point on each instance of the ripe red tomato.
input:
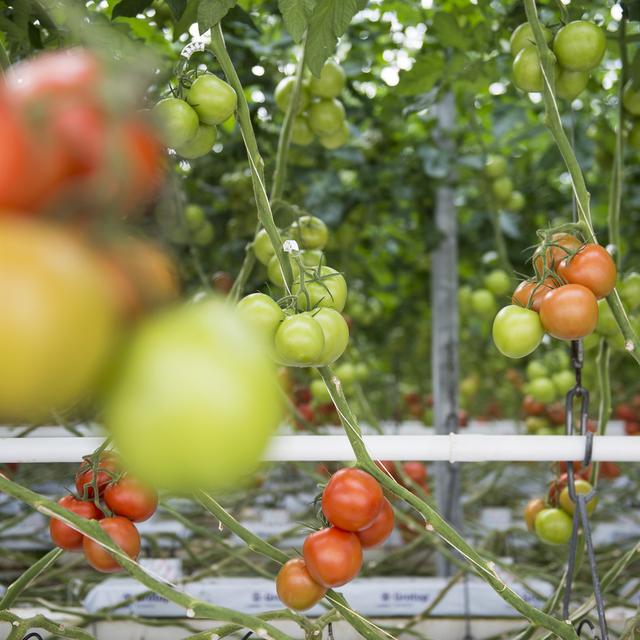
(556, 412)
(306, 413)
(296, 588)
(609, 470)
(130, 498)
(222, 281)
(62, 534)
(569, 312)
(333, 556)
(529, 293)
(632, 428)
(531, 511)
(352, 499)
(592, 267)
(107, 467)
(626, 412)
(124, 533)
(380, 529)
(531, 407)
(562, 245)
(415, 471)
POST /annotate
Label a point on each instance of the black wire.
(247, 635)
(330, 631)
(33, 634)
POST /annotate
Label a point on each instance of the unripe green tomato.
(328, 288)
(517, 331)
(301, 133)
(580, 46)
(570, 84)
(483, 303)
(631, 98)
(503, 188)
(535, 424)
(337, 139)
(498, 282)
(319, 391)
(204, 234)
(346, 373)
(527, 74)
(274, 271)
(299, 341)
(557, 359)
(263, 248)
(194, 216)
(634, 136)
(331, 82)
(310, 232)
(630, 290)
(516, 201)
(336, 334)
(563, 381)
(212, 98)
(262, 312)
(582, 487)
(284, 91)
(326, 116)
(607, 325)
(200, 144)
(536, 369)
(523, 36)
(542, 389)
(311, 257)
(464, 297)
(495, 166)
(178, 122)
(553, 526)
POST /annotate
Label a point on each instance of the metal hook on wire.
(585, 623)
(246, 636)
(330, 631)
(34, 635)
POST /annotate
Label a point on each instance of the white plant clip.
(197, 44)
(290, 246)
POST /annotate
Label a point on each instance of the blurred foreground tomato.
(57, 320)
(195, 399)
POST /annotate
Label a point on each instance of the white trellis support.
(325, 448)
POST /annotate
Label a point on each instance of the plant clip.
(585, 623)
(34, 635)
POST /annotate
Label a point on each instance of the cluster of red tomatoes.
(561, 299)
(319, 114)
(629, 412)
(360, 517)
(312, 332)
(579, 47)
(116, 499)
(189, 125)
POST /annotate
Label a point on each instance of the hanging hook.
(330, 631)
(585, 622)
(33, 634)
(247, 635)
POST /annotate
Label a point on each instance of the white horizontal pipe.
(452, 448)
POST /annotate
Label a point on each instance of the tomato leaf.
(329, 20)
(295, 14)
(177, 7)
(210, 12)
(448, 32)
(423, 76)
(129, 8)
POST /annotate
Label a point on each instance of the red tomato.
(415, 471)
(531, 407)
(333, 556)
(124, 533)
(389, 467)
(592, 267)
(107, 467)
(302, 394)
(380, 529)
(222, 281)
(463, 417)
(556, 412)
(529, 293)
(626, 412)
(609, 470)
(632, 428)
(352, 499)
(569, 312)
(296, 588)
(306, 412)
(62, 534)
(130, 498)
(562, 245)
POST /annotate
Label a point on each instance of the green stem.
(20, 626)
(245, 271)
(433, 520)
(256, 163)
(24, 581)
(581, 194)
(604, 397)
(5, 63)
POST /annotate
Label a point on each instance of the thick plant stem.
(91, 529)
(604, 399)
(433, 520)
(256, 163)
(20, 626)
(24, 581)
(5, 63)
(554, 123)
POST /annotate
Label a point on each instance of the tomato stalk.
(604, 397)
(20, 626)
(579, 187)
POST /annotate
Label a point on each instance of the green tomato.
(299, 341)
(337, 139)
(312, 257)
(527, 74)
(563, 381)
(630, 290)
(580, 46)
(516, 201)
(194, 216)
(631, 98)
(362, 371)
(469, 386)
(607, 325)
(464, 297)
(536, 369)
(204, 235)
(319, 391)
(263, 313)
(284, 91)
(542, 389)
(346, 373)
(483, 303)
(523, 36)
(195, 399)
(503, 188)
(535, 424)
(557, 359)
(263, 248)
(517, 331)
(553, 526)
(200, 144)
(336, 334)
(212, 98)
(326, 116)
(177, 121)
(310, 232)
(570, 84)
(498, 282)
(301, 133)
(634, 136)
(331, 81)
(582, 487)
(274, 272)
(495, 166)
(325, 287)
